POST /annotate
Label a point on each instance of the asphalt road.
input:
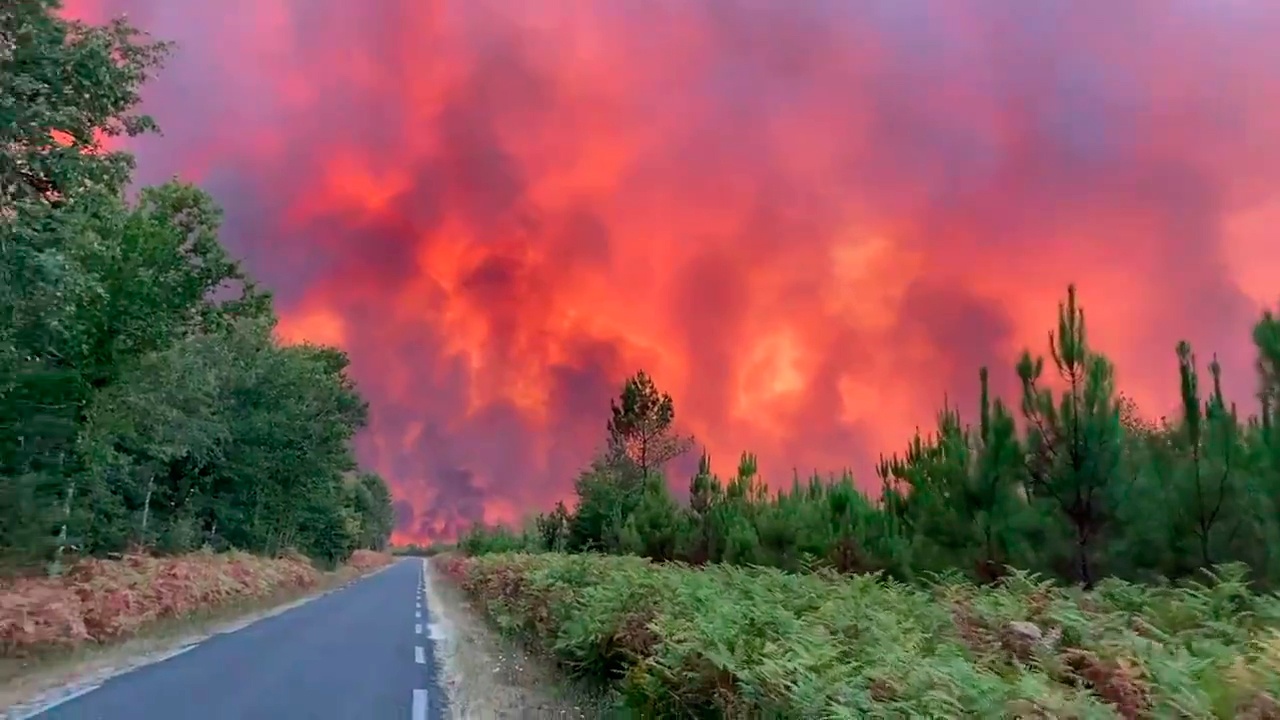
(356, 653)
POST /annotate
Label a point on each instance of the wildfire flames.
(808, 221)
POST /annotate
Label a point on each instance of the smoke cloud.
(808, 221)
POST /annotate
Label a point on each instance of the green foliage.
(1079, 488)
(485, 540)
(415, 550)
(553, 528)
(143, 399)
(733, 642)
(607, 495)
(1073, 445)
(80, 81)
(654, 527)
(640, 435)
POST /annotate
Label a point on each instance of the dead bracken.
(98, 601)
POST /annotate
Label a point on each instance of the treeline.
(1070, 482)
(143, 399)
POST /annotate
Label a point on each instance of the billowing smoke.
(809, 221)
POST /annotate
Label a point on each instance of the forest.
(1058, 556)
(1070, 481)
(144, 400)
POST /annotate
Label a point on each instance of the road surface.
(363, 652)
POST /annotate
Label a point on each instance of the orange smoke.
(808, 221)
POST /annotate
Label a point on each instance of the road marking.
(417, 615)
(419, 655)
(419, 705)
(57, 697)
(417, 629)
(151, 660)
(68, 698)
(175, 653)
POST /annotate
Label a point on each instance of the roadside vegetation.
(420, 550)
(1058, 556)
(748, 642)
(146, 410)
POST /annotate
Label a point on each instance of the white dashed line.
(419, 652)
(419, 705)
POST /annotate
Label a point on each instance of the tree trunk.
(1082, 556)
(146, 505)
(66, 511)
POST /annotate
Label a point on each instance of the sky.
(809, 221)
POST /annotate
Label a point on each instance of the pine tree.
(704, 493)
(1266, 338)
(1073, 444)
(553, 528)
(993, 498)
(654, 528)
(1210, 433)
(640, 428)
(961, 499)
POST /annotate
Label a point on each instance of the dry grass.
(488, 676)
(46, 623)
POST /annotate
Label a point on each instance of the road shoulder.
(486, 675)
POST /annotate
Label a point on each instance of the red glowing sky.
(808, 221)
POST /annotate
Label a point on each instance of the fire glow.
(808, 221)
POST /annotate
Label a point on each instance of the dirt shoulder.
(37, 678)
(488, 676)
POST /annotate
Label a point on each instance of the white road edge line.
(60, 701)
(152, 660)
(175, 653)
(419, 655)
(419, 705)
(44, 702)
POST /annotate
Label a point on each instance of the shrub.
(729, 641)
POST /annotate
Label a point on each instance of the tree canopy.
(1071, 482)
(143, 397)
